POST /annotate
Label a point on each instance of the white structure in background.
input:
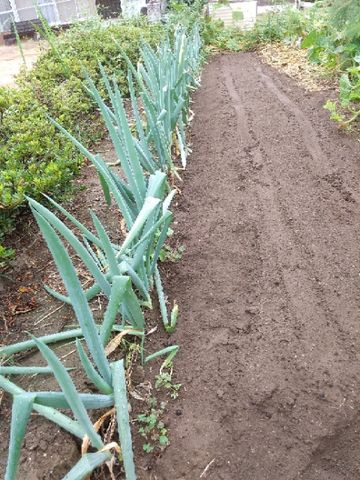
(242, 13)
(131, 8)
(154, 9)
(300, 4)
(56, 12)
(234, 12)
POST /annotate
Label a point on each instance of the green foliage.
(168, 254)
(87, 45)
(213, 32)
(34, 157)
(324, 40)
(286, 25)
(164, 380)
(345, 18)
(350, 85)
(237, 16)
(334, 42)
(5, 255)
(152, 428)
(185, 13)
(215, 35)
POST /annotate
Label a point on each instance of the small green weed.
(164, 380)
(5, 255)
(169, 254)
(152, 428)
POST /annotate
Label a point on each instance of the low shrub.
(286, 25)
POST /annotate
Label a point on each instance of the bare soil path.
(11, 60)
(269, 286)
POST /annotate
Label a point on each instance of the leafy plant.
(285, 25)
(141, 197)
(345, 17)
(5, 255)
(170, 254)
(165, 79)
(334, 42)
(164, 380)
(152, 428)
(108, 378)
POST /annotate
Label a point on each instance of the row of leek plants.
(127, 272)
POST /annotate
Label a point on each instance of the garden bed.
(268, 289)
(269, 285)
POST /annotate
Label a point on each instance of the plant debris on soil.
(268, 290)
(293, 61)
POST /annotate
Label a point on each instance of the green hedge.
(34, 157)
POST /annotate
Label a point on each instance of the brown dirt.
(268, 288)
(269, 285)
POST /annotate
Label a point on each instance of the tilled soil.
(269, 286)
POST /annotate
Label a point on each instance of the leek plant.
(165, 79)
(107, 377)
(143, 199)
(136, 257)
(96, 366)
(49, 403)
(125, 272)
